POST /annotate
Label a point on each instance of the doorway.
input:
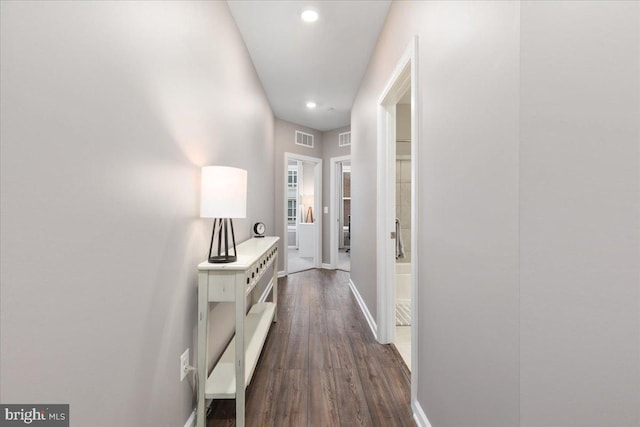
(302, 203)
(340, 216)
(398, 183)
(403, 226)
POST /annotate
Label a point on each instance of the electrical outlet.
(184, 363)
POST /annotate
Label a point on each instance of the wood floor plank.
(319, 352)
(317, 322)
(405, 369)
(381, 409)
(297, 347)
(297, 352)
(329, 301)
(335, 324)
(286, 292)
(317, 314)
(323, 408)
(273, 356)
(263, 398)
(285, 315)
(341, 353)
(352, 403)
(360, 350)
(223, 413)
(294, 395)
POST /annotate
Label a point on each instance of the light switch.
(326, 209)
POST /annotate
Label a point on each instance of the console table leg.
(240, 356)
(203, 323)
(275, 286)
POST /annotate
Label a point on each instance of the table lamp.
(223, 196)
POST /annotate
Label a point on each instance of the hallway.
(523, 230)
(321, 365)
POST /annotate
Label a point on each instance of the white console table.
(233, 282)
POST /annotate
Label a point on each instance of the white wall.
(108, 111)
(468, 297)
(528, 162)
(579, 214)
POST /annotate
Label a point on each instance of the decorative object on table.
(259, 229)
(309, 217)
(223, 196)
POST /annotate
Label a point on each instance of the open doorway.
(403, 225)
(340, 217)
(303, 187)
(398, 211)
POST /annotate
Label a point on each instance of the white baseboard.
(327, 266)
(281, 274)
(265, 294)
(364, 309)
(191, 420)
(419, 415)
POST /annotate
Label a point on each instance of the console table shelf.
(221, 384)
(233, 282)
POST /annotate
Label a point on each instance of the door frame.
(317, 206)
(404, 76)
(334, 215)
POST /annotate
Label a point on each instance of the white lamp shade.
(223, 192)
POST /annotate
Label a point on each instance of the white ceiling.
(322, 61)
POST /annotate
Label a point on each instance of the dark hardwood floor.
(321, 365)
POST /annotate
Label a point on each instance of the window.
(305, 139)
(292, 209)
(292, 179)
(344, 139)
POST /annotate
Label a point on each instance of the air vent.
(304, 139)
(344, 139)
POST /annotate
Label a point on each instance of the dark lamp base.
(221, 259)
(223, 255)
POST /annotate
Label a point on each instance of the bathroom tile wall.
(403, 203)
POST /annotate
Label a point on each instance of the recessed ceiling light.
(311, 104)
(309, 15)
